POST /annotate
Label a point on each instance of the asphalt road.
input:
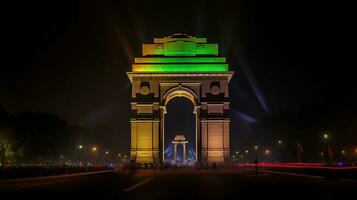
(181, 184)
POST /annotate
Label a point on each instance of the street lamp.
(325, 136)
(267, 152)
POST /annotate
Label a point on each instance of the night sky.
(290, 58)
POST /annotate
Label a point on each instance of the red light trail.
(297, 166)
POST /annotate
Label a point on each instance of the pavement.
(234, 183)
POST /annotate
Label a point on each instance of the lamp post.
(325, 138)
(119, 157)
(279, 153)
(256, 154)
(343, 153)
(125, 156)
(80, 150)
(107, 156)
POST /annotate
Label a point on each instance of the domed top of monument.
(180, 138)
(180, 35)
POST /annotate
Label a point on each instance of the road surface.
(181, 184)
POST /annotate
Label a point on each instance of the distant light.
(246, 151)
(94, 149)
(325, 136)
(241, 156)
(61, 156)
(80, 146)
(343, 152)
(356, 150)
(255, 147)
(107, 152)
(280, 142)
(125, 156)
(322, 153)
(267, 152)
(237, 152)
(233, 156)
(119, 154)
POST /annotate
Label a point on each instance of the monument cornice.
(196, 75)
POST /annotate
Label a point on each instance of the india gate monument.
(180, 66)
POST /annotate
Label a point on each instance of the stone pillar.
(197, 133)
(175, 152)
(184, 152)
(162, 133)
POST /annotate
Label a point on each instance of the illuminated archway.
(185, 92)
(180, 91)
(180, 66)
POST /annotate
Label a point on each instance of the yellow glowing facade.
(144, 140)
(180, 66)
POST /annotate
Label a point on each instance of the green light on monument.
(181, 60)
(180, 53)
(180, 68)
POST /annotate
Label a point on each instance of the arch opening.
(180, 118)
(180, 92)
(180, 121)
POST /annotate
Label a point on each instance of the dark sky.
(69, 58)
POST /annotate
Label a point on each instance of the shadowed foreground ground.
(182, 183)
